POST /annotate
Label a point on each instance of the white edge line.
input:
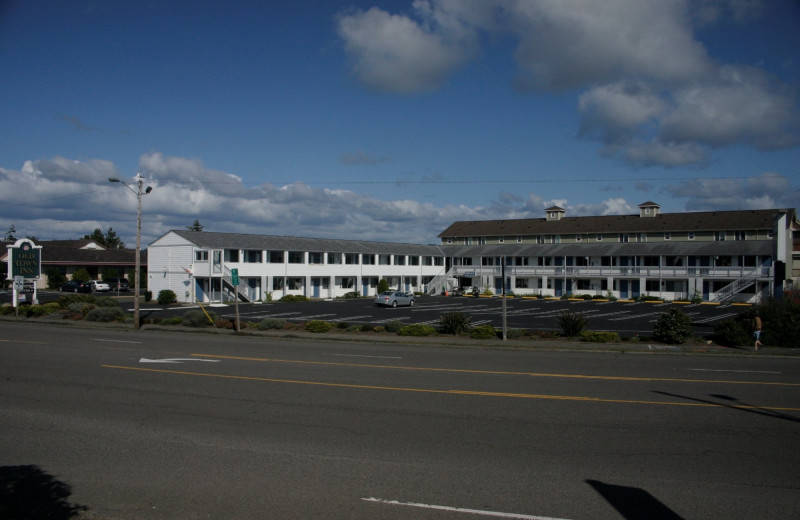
(459, 509)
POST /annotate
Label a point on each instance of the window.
(334, 258)
(556, 239)
(469, 241)
(719, 236)
(500, 240)
(252, 256)
(578, 238)
(399, 260)
(276, 257)
(642, 237)
(599, 237)
(348, 282)
(482, 241)
(314, 258)
(691, 235)
(540, 239)
(277, 284)
(232, 255)
(368, 259)
(201, 256)
(449, 240)
(438, 260)
(296, 257)
(351, 258)
(624, 237)
(667, 235)
(295, 283)
(383, 260)
(413, 260)
(519, 240)
(521, 283)
(739, 235)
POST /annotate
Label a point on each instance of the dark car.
(76, 286)
(118, 284)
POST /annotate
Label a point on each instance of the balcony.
(721, 273)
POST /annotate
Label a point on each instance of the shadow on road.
(634, 503)
(735, 404)
(29, 492)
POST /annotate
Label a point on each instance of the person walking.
(757, 331)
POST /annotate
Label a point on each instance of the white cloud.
(648, 90)
(769, 190)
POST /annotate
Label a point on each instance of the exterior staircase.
(726, 294)
(227, 277)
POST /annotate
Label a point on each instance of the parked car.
(76, 286)
(118, 284)
(394, 299)
(99, 286)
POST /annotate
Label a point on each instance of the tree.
(10, 234)
(196, 226)
(82, 275)
(110, 240)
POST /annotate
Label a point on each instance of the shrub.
(572, 323)
(105, 314)
(148, 296)
(197, 318)
(455, 322)
(35, 311)
(781, 320)
(352, 295)
(483, 332)
(383, 286)
(516, 333)
(366, 327)
(81, 308)
(173, 320)
(487, 292)
(416, 329)
(342, 325)
(294, 298)
(394, 326)
(272, 323)
(673, 326)
(732, 332)
(166, 296)
(106, 301)
(355, 328)
(6, 309)
(318, 326)
(378, 328)
(597, 336)
(52, 307)
(66, 299)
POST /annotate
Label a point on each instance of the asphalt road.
(167, 425)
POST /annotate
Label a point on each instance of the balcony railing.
(615, 272)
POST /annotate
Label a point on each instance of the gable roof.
(674, 222)
(216, 240)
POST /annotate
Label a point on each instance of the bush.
(483, 332)
(352, 295)
(106, 301)
(318, 326)
(81, 308)
(174, 320)
(378, 328)
(572, 323)
(596, 336)
(515, 333)
(366, 327)
(105, 314)
(416, 329)
(394, 326)
(67, 299)
(294, 298)
(781, 320)
(7, 309)
(383, 286)
(733, 332)
(455, 322)
(166, 297)
(272, 323)
(35, 311)
(197, 318)
(673, 326)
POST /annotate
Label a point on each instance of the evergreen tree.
(10, 234)
(110, 240)
(196, 226)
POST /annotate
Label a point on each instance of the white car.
(99, 286)
(394, 298)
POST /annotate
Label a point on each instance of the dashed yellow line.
(447, 392)
(495, 372)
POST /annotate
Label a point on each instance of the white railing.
(615, 271)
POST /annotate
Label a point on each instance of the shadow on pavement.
(634, 503)
(29, 492)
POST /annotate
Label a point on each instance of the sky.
(389, 120)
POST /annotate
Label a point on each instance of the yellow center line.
(448, 392)
(496, 372)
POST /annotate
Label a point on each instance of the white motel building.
(723, 256)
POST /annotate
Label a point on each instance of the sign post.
(24, 262)
(235, 282)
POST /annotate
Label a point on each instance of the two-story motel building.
(719, 256)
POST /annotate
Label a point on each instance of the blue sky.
(389, 120)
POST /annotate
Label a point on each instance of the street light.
(137, 284)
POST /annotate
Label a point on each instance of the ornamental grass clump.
(105, 314)
(416, 329)
(455, 322)
(571, 323)
(272, 323)
(673, 326)
(198, 318)
(483, 332)
(318, 326)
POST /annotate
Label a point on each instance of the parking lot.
(626, 318)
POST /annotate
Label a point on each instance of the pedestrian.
(757, 331)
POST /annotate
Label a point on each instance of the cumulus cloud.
(648, 90)
(768, 190)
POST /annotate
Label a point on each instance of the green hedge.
(416, 329)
